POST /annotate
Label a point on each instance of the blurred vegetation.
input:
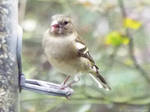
(117, 34)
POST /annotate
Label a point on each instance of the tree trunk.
(8, 63)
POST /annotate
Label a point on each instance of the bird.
(66, 51)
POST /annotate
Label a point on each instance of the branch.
(131, 45)
(112, 57)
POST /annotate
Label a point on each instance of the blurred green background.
(117, 34)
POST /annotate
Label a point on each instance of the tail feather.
(100, 81)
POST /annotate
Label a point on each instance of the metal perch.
(44, 87)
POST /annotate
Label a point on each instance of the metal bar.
(45, 87)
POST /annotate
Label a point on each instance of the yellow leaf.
(113, 38)
(128, 62)
(116, 38)
(125, 40)
(133, 24)
(108, 41)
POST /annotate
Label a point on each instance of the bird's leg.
(75, 80)
(66, 79)
(63, 84)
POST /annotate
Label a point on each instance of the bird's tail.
(100, 80)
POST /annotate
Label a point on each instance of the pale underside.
(67, 60)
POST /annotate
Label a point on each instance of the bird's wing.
(83, 50)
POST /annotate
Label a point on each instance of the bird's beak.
(54, 26)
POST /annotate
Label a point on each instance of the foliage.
(117, 34)
(115, 38)
(133, 24)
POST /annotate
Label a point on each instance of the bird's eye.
(65, 22)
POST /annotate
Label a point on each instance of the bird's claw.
(64, 85)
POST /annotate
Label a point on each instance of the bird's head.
(61, 25)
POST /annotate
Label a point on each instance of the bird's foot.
(63, 84)
(75, 80)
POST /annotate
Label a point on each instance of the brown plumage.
(67, 52)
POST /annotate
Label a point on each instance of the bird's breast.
(60, 49)
(61, 54)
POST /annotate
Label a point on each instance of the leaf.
(128, 62)
(116, 38)
(125, 40)
(133, 24)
